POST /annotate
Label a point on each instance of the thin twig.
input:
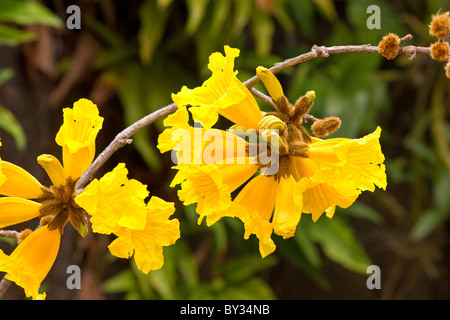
(121, 140)
(9, 234)
(258, 94)
(123, 137)
(4, 285)
(325, 52)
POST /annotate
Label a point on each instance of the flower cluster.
(314, 175)
(115, 204)
(440, 28)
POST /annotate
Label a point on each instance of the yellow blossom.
(77, 136)
(31, 261)
(147, 244)
(2, 176)
(221, 94)
(117, 206)
(114, 202)
(25, 198)
(314, 175)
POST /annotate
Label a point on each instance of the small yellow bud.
(272, 137)
(82, 228)
(440, 51)
(53, 168)
(271, 122)
(271, 83)
(440, 25)
(388, 46)
(235, 128)
(311, 95)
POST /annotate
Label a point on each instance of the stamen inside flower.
(58, 203)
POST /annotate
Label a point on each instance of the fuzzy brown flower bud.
(324, 127)
(388, 46)
(440, 51)
(447, 70)
(45, 220)
(25, 233)
(440, 25)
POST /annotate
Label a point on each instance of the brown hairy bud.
(447, 70)
(45, 220)
(283, 105)
(388, 46)
(324, 127)
(302, 106)
(25, 233)
(440, 25)
(440, 51)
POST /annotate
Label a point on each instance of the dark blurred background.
(129, 56)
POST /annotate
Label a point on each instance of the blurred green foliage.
(168, 52)
(15, 14)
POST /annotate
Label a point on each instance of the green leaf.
(437, 215)
(220, 236)
(305, 243)
(428, 222)
(13, 37)
(153, 22)
(28, 12)
(196, 13)
(242, 14)
(327, 8)
(339, 244)
(5, 75)
(263, 28)
(9, 123)
(245, 266)
(220, 12)
(132, 95)
(121, 282)
(291, 251)
(361, 210)
(108, 36)
(251, 289)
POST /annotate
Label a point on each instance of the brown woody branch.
(123, 137)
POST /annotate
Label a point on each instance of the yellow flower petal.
(147, 244)
(19, 182)
(114, 202)
(53, 168)
(355, 162)
(287, 209)
(77, 136)
(16, 210)
(271, 83)
(31, 261)
(179, 134)
(210, 187)
(319, 196)
(2, 176)
(222, 93)
(254, 206)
